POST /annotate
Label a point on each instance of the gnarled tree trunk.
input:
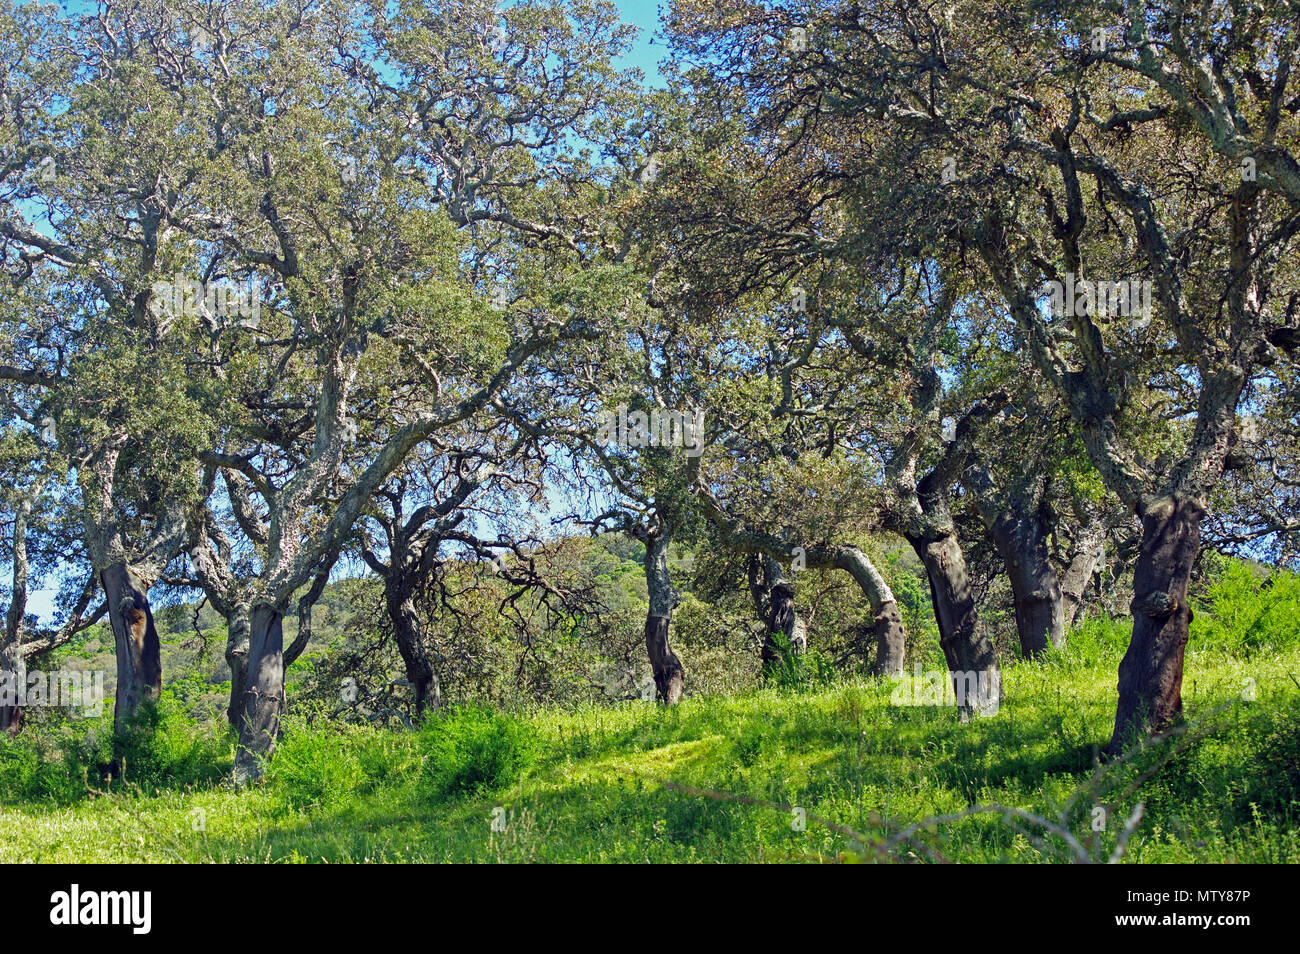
(13, 675)
(139, 654)
(669, 675)
(1019, 528)
(408, 632)
(1151, 673)
(12, 667)
(1021, 541)
(966, 647)
(774, 601)
(238, 635)
(1087, 551)
(891, 642)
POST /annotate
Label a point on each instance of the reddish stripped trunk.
(139, 658)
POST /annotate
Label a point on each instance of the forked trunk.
(408, 632)
(1151, 673)
(139, 658)
(966, 647)
(264, 694)
(669, 675)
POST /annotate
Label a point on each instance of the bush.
(313, 768)
(1245, 610)
(473, 749)
(793, 670)
(1095, 639)
(164, 747)
(26, 776)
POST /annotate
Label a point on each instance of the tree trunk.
(14, 671)
(1088, 544)
(1017, 523)
(1151, 673)
(774, 601)
(11, 656)
(408, 632)
(966, 647)
(669, 675)
(264, 695)
(238, 628)
(891, 641)
(139, 655)
(1021, 541)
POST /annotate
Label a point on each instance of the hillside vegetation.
(718, 778)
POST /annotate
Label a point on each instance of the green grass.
(636, 782)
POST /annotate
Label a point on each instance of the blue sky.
(644, 14)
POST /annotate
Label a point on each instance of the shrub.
(163, 746)
(473, 749)
(793, 670)
(1095, 639)
(313, 768)
(1245, 610)
(27, 776)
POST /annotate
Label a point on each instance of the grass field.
(771, 775)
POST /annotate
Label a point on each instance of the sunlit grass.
(843, 754)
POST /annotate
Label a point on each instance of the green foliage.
(314, 769)
(596, 787)
(473, 749)
(162, 747)
(1096, 638)
(793, 670)
(1246, 610)
(25, 776)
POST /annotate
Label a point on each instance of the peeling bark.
(139, 656)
